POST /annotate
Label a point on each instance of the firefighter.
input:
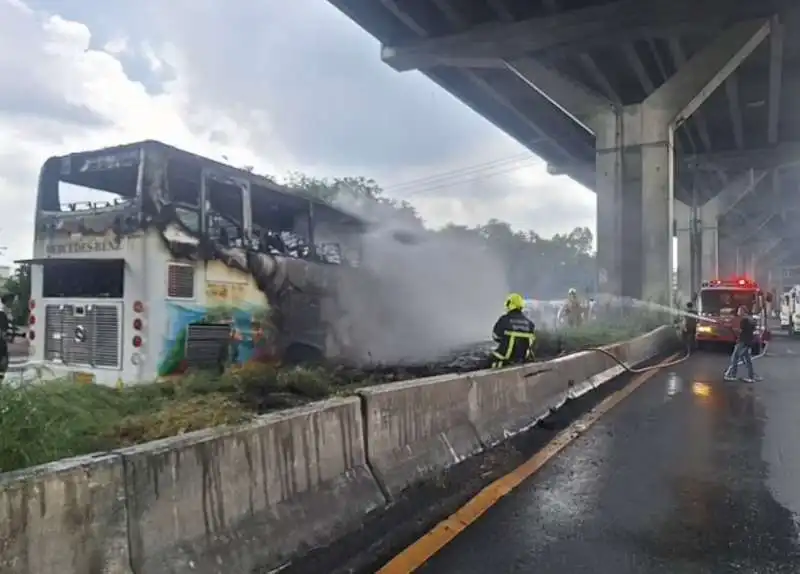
(573, 309)
(690, 328)
(514, 334)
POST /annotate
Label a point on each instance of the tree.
(357, 194)
(535, 266)
(19, 285)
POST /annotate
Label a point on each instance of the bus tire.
(303, 354)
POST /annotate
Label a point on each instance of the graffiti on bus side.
(251, 334)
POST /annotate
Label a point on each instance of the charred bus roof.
(113, 168)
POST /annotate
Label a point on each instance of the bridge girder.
(576, 30)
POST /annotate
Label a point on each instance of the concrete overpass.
(678, 113)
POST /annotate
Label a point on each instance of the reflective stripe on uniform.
(512, 340)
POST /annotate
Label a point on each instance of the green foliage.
(307, 382)
(19, 285)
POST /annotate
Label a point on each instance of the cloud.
(280, 86)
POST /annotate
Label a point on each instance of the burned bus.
(192, 264)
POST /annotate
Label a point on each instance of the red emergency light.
(743, 282)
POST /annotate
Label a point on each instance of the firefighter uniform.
(573, 309)
(514, 334)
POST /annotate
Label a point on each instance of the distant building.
(6, 271)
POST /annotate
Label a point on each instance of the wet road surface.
(687, 475)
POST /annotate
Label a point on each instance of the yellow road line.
(413, 557)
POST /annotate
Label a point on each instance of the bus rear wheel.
(303, 354)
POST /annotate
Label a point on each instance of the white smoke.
(426, 294)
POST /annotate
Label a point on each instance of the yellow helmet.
(515, 302)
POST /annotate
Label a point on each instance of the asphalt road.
(688, 475)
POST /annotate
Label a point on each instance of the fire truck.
(717, 305)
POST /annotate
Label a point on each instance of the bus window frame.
(226, 178)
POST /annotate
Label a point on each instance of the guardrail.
(233, 499)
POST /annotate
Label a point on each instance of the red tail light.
(32, 320)
(137, 324)
(31, 304)
(137, 341)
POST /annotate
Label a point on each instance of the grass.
(44, 422)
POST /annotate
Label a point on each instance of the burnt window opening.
(75, 182)
(84, 279)
(189, 216)
(224, 202)
(280, 224)
(330, 253)
(225, 212)
(180, 281)
(182, 187)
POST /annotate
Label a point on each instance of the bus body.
(196, 265)
(719, 300)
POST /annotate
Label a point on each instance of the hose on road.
(672, 363)
(635, 370)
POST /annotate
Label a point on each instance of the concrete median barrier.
(67, 517)
(507, 402)
(415, 428)
(232, 500)
(237, 499)
(649, 345)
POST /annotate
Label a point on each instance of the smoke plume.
(425, 294)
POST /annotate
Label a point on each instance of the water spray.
(657, 307)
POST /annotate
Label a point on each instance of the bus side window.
(189, 217)
(225, 214)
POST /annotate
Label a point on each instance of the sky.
(281, 86)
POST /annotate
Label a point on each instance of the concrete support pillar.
(726, 249)
(709, 239)
(765, 255)
(683, 231)
(697, 229)
(745, 261)
(634, 183)
(634, 169)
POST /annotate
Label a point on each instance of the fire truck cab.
(717, 304)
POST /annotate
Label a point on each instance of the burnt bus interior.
(171, 185)
(282, 221)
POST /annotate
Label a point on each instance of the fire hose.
(638, 370)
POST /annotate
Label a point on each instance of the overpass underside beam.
(635, 168)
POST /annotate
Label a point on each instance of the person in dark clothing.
(6, 325)
(514, 334)
(690, 328)
(742, 351)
